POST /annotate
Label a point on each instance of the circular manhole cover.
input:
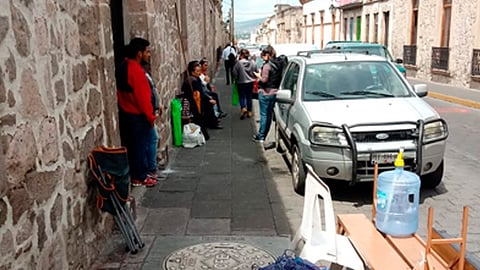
(217, 256)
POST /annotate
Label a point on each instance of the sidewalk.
(223, 192)
(220, 192)
(455, 94)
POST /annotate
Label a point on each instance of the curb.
(464, 102)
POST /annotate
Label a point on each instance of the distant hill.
(248, 26)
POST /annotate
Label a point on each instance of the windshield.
(352, 80)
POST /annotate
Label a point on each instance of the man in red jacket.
(136, 113)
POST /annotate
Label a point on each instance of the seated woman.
(201, 105)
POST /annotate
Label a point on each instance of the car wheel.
(433, 179)
(298, 171)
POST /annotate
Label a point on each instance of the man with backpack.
(229, 57)
(269, 82)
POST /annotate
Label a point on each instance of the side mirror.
(421, 90)
(399, 61)
(284, 96)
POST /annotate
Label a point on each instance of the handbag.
(235, 98)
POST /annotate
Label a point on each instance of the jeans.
(266, 104)
(135, 133)
(228, 71)
(152, 150)
(245, 92)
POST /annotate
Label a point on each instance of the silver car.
(342, 113)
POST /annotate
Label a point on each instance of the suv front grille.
(379, 136)
(366, 168)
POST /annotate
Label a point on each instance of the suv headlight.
(323, 135)
(435, 131)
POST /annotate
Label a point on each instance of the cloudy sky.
(253, 9)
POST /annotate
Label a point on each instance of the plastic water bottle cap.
(399, 160)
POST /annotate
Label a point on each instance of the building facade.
(440, 40)
(289, 24)
(58, 101)
(321, 20)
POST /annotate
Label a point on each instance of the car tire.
(433, 179)
(298, 171)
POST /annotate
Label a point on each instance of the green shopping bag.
(235, 99)
(177, 121)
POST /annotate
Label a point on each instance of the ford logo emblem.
(381, 136)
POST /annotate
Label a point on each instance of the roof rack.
(309, 53)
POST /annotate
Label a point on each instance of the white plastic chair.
(317, 239)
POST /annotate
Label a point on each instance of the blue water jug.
(398, 193)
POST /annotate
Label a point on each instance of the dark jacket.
(243, 71)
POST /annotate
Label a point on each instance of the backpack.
(277, 68)
(231, 56)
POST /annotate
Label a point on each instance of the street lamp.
(332, 8)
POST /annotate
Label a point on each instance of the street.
(458, 188)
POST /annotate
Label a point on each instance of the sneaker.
(136, 183)
(153, 175)
(243, 113)
(149, 182)
(257, 139)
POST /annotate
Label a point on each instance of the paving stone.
(208, 226)
(166, 221)
(211, 208)
(168, 199)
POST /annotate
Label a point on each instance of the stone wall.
(464, 38)
(57, 101)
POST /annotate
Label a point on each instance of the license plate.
(383, 158)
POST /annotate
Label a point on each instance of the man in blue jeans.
(267, 95)
(136, 113)
(152, 144)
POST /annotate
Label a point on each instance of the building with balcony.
(440, 40)
(289, 23)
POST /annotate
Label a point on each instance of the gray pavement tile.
(208, 226)
(254, 220)
(143, 253)
(214, 194)
(168, 199)
(166, 221)
(211, 208)
(180, 184)
(214, 178)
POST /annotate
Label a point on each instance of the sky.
(253, 9)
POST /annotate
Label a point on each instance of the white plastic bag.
(192, 136)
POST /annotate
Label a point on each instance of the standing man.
(152, 145)
(136, 113)
(229, 56)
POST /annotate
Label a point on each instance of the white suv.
(342, 113)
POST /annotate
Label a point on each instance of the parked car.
(342, 113)
(366, 48)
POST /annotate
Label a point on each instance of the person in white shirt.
(229, 57)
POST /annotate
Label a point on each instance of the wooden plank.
(370, 243)
(412, 250)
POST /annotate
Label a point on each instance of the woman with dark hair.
(200, 104)
(244, 72)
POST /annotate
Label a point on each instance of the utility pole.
(232, 21)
